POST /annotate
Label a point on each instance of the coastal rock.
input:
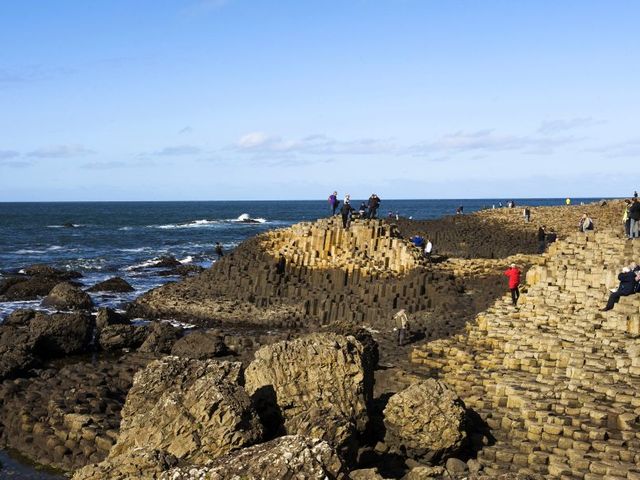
(200, 345)
(20, 317)
(139, 464)
(16, 352)
(108, 316)
(61, 333)
(115, 284)
(162, 336)
(21, 288)
(290, 457)
(194, 410)
(166, 261)
(118, 336)
(425, 421)
(49, 271)
(312, 386)
(66, 296)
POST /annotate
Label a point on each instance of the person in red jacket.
(514, 282)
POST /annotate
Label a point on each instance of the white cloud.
(8, 154)
(61, 151)
(179, 150)
(262, 143)
(550, 127)
(627, 148)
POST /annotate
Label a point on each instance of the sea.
(106, 239)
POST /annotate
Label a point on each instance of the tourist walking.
(374, 203)
(218, 250)
(333, 202)
(634, 216)
(627, 286)
(428, 248)
(401, 322)
(513, 273)
(585, 223)
(346, 212)
(542, 239)
(526, 213)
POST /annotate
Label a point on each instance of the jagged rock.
(425, 421)
(20, 317)
(289, 457)
(161, 338)
(61, 333)
(138, 464)
(66, 296)
(200, 345)
(48, 271)
(313, 386)
(26, 288)
(116, 337)
(115, 284)
(365, 474)
(192, 409)
(425, 472)
(108, 316)
(16, 351)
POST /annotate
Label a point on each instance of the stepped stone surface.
(315, 386)
(555, 380)
(425, 421)
(289, 457)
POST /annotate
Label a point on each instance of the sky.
(290, 99)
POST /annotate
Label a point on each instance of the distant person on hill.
(401, 322)
(333, 202)
(428, 249)
(363, 210)
(627, 286)
(513, 273)
(460, 210)
(418, 241)
(374, 204)
(567, 201)
(585, 223)
(542, 239)
(526, 213)
(626, 221)
(219, 251)
(635, 194)
(634, 216)
(346, 212)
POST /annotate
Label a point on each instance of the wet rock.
(313, 386)
(108, 316)
(167, 261)
(21, 288)
(116, 337)
(40, 269)
(61, 333)
(200, 345)
(285, 457)
(161, 338)
(16, 352)
(115, 284)
(425, 421)
(20, 317)
(66, 296)
(189, 408)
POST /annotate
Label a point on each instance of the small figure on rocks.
(428, 249)
(513, 273)
(362, 211)
(333, 202)
(219, 251)
(634, 216)
(542, 239)
(418, 241)
(526, 213)
(626, 221)
(628, 280)
(346, 212)
(281, 265)
(374, 203)
(401, 322)
(460, 210)
(635, 194)
(585, 223)
(567, 201)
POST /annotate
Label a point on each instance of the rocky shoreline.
(292, 370)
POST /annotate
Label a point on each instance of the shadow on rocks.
(265, 401)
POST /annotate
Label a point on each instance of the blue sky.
(256, 99)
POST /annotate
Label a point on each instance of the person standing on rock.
(428, 249)
(627, 286)
(374, 203)
(513, 273)
(626, 221)
(542, 239)
(401, 322)
(333, 202)
(219, 251)
(346, 212)
(526, 213)
(634, 216)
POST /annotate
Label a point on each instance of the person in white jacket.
(401, 326)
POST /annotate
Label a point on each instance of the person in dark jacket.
(374, 203)
(346, 212)
(634, 216)
(513, 273)
(219, 251)
(333, 202)
(542, 239)
(627, 287)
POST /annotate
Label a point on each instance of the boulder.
(66, 296)
(138, 464)
(194, 410)
(162, 336)
(166, 261)
(20, 317)
(200, 345)
(43, 270)
(16, 352)
(313, 386)
(426, 421)
(115, 284)
(117, 337)
(22, 288)
(108, 316)
(61, 333)
(290, 457)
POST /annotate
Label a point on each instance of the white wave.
(27, 251)
(125, 229)
(54, 247)
(246, 218)
(187, 259)
(72, 225)
(148, 263)
(133, 250)
(192, 224)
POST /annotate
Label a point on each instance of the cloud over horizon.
(60, 151)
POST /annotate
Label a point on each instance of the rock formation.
(66, 296)
(36, 282)
(61, 333)
(115, 284)
(200, 345)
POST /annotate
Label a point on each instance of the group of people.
(367, 209)
(425, 246)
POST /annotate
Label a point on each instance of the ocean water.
(125, 238)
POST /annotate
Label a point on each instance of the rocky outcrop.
(36, 282)
(20, 317)
(161, 337)
(425, 422)
(285, 457)
(312, 386)
(115, 284)
(192, 409)
(16, 352)
(65, 296)
(117, 337)
(200, 345)
(108, 316)
(61, 333)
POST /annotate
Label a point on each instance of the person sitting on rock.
(585, 223)
(401, 322)
(627, 287)
(418, 241)
(513, 273)
(363, 210)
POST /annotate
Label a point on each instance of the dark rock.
(61, 333)
(186, 270)
(115, 284)
(200, 345)
(40, 269)
(68, 225)
(108, 316)
(167, 262)
(66, 296)
(161, 338)
(16, 355)
(20, 317)
(21, 288)
(117, 337)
